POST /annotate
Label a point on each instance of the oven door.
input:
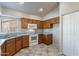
(33, 38)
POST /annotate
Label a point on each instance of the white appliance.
(33, 37)
(33, 40)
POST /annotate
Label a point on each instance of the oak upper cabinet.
(46, 24)
(25, 41)
(38, 22)
(10, 47)
(47, 39)
(54, 20)
(25, 22)
(40, 25)
(18, 43)
(40, 38)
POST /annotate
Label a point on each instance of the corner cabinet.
(40, 38)
(39, 24)
(24, 22)
(47, 39)
(49, 23)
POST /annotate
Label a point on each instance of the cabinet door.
(37, 22)
(25, 22)
(46, 24)
(10, 47)
(40, 38)
(47, 39)
(40, 25)
(3, 53)
(18, 43)
(25, 41)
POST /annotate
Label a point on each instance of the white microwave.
(32, 26)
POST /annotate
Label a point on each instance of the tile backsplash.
(48, 31)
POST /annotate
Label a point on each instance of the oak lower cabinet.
(25, 41)
(47, 39)
(13, 45)
(40, 38)
(18, 44)
(3, 50)
(10, 47)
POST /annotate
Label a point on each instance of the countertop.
(14, 35)
(10, 37)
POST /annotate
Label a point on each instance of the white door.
(68, 35)
(71, 34)
(76, 34)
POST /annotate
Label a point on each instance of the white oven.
(33, 37)
(33, 40)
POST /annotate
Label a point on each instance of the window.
(0, 24)
(8, 24)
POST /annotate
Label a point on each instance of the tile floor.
(38, 50)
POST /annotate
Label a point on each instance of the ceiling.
(31, 7)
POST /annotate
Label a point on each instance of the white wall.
(67, 7)
(56, 38)
(53, 13)
(0, 24)
(0, 9)
(0, 18)
(19, 14)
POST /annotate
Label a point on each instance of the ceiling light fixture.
(21, 2)
(41, 9)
